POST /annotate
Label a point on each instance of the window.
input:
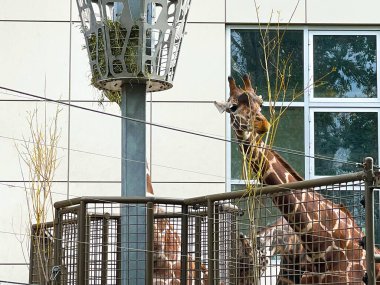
(247, 56)
(345, 136)
(332, 93)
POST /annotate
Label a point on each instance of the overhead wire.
(189, 132)
(166, 127)
(113, 157)
(15, 282)
(172, 128)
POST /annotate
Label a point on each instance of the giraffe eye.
(233, 108)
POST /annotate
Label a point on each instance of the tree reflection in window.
(353, 57)
(344, 137)
(284, 51)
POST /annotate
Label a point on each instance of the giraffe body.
(167, 250)
(279, 239)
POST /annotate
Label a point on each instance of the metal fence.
(229, 238)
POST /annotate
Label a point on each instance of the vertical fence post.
(57, 244)
(81, 258)
(184, 243)
(118, 251)
(369, 220)
(216, 240)
(198, 248)
(104, 261)
(150, 240)
(210, 240)
(233, 263)
(31, 255)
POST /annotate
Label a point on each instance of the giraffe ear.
(222, 106)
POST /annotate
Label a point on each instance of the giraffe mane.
(291, 170)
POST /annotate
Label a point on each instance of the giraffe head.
(244, 107)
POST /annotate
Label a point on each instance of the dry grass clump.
(39, 153)
(97, 52)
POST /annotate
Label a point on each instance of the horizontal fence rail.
(228, 238)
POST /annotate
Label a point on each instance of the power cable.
(114, 157)
(15, 282)
(205, 135)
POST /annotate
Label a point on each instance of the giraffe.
(330, 236)
(280, 239)
(167, 250)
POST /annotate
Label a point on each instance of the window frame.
(314, 110)
(311, 35)
(310, 104)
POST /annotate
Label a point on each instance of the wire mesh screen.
(68, 249)
(102, 248)
(197, 249)
(299, 236)
(310, 236)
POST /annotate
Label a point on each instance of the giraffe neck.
(273, 168)
(321, 224)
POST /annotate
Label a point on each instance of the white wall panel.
(81, 88)
(272, 11)
(34, 58)
(343, 12)
(40, 10)
(15, 128)
(94, 189)
(94, 137)
(207, 11)
(184, 157)
(200, 75)
(187, 190)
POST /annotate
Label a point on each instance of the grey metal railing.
(209, 239)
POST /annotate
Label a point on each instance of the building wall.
(41, 53)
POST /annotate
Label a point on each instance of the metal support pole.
(133, 166)
(369, 220)
(133, 183)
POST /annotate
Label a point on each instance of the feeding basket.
(133, 41)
